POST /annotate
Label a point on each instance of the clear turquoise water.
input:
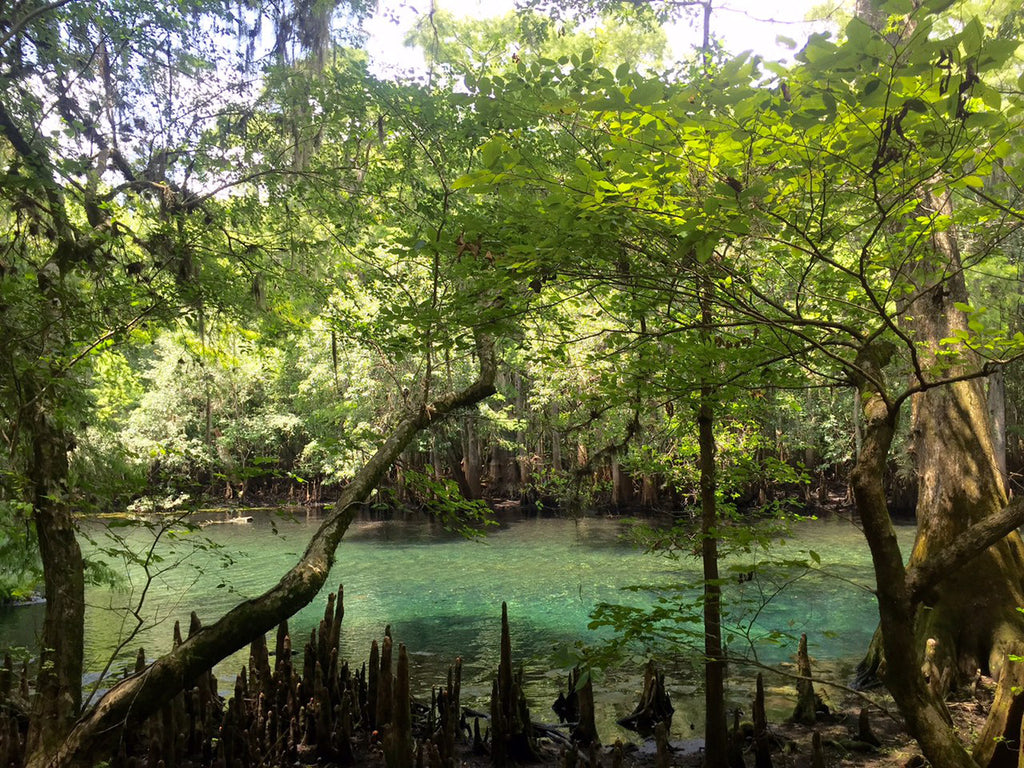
(442, 596)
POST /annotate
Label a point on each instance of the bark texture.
(955, 608)
(716, 737)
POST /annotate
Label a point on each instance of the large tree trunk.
(973, 615)
(132, 700)
(997, 413)
(471, 461)
(971, 620)
(924, 713)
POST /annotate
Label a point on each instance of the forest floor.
(792, 742)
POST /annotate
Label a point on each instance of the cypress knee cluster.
(279, 715)
(511, 730)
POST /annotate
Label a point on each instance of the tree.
(819, 206)
(117, 217)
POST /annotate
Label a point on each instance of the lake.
(442, 595)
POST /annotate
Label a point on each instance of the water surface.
(442, 597)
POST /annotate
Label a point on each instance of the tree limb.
(17, 26)
(925, 576)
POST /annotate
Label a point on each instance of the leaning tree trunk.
(128, 703)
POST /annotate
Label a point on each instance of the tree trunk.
(648, 491)
(524, 461)
(556, 443)
(715, 728)
(896, 609)
(471, 458)
(622, 484)
(58, 697)
(969, 619)
(973, 615)
(997, 413)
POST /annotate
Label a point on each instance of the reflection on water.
(442, 597)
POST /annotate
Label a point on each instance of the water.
(442, 596)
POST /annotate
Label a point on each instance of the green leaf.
(491, 151)
(938, 6)
(648, 92)
(973, 36)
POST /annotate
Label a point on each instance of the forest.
(561, 269)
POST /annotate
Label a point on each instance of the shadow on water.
(442, 597)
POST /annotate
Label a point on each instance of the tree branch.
(16, 27)
(925, 576)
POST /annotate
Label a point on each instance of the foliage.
(20, 569)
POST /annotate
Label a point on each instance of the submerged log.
(654, 706)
